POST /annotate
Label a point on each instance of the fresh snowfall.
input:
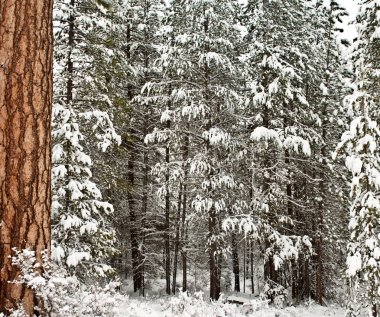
(209, 158)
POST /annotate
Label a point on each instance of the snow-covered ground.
(192, 307)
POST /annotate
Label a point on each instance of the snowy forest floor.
(197, 304)
(175, 306)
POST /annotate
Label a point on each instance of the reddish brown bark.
(25, 138)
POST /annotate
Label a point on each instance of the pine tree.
(325, 94)
(276, 120)
(82, 236)
(26, 84)
(200, 89)
(360, 145)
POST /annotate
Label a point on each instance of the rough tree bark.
(25, 139)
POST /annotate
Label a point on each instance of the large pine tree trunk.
(25, 139)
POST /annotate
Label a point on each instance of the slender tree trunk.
(167, 218)
(183, 238)
(183, 217)
(307, 279)
(235, 263)
(214, 295)
(252, 274)
(134, 231)
(244, 267)
(251, 242)
(69, 98)
(219, 258)
(144, 209)
(145, 163)
(212, 215)
(321, 209)
(25, 140)
(269, 269)
(167, 228)
(374, 310)
(134, 227)
(177, 239)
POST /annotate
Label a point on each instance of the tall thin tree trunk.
(25, 140)
(167, 226)
(183, 239)
(134, 227)
(269, 269)
(183, 216)
(144, 209)
(144, 204)
(214, 295)
(134, 233)
(252, 274)
(177, 239)
(235, 263)
(244, 267)
(306, 274)
(320, 215)
(145, 163)
(69, 96)
(167, 216)
(219, 262)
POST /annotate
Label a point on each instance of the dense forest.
(226, 146)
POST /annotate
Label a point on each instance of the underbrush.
(62, 295)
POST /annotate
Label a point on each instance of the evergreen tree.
(200, 85)
(326, 89)
(82, 236)
(26, 93)
(276, 122)
(360, 144)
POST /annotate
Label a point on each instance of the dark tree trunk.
(219, 258)
(167, 218)
(26, 48)
(244, 267)
(319, 273)
(183, 217)
(183, 240)
(319, 276)
(269, 269)
(374, 310)
(177, 239)
(137, 266)
(214, 274)
(307, 280)
(252, 274)
(134, 230)
(144, 209)
(235, 263)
